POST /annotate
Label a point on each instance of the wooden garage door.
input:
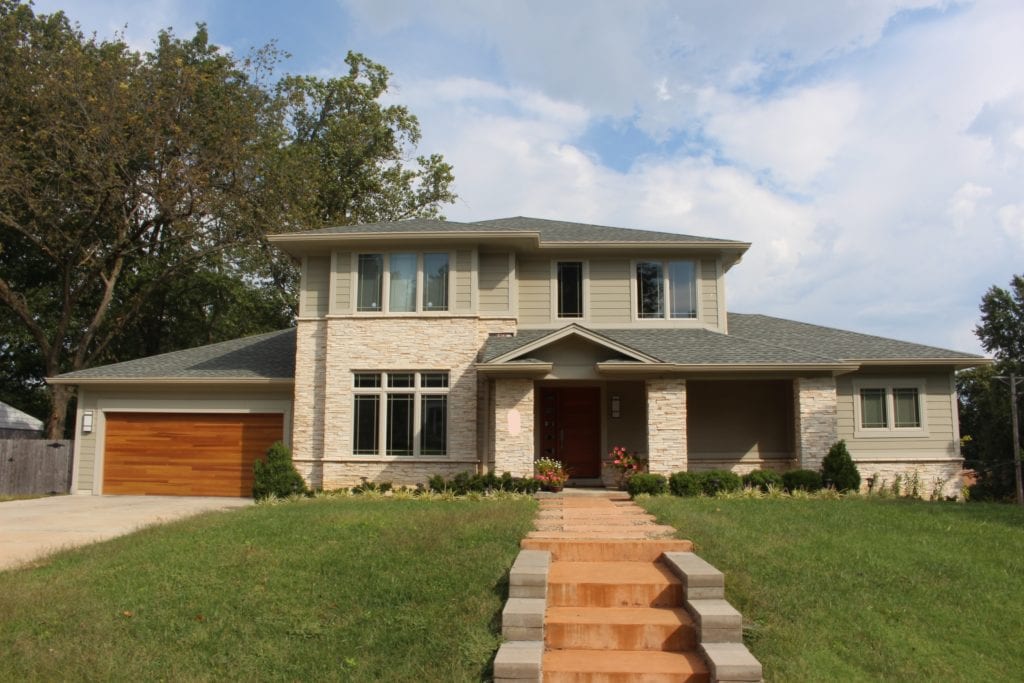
(186, 454)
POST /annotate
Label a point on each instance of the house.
(15, 424)
(427, 347)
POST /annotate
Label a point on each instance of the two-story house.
(430, 347)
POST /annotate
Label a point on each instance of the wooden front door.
(570, 428)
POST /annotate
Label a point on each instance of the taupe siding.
(343, 282)
(739, 420)
(534, 291)
(494, 283)
(709, 292)
(937, 405)
(463, 280)
(315, 286)
(609, 291)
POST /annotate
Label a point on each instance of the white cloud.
(964, 202)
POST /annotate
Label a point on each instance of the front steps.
(602, 594)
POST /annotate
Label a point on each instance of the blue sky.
(872, 152)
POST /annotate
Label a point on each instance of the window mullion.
(666, 295)
(416, 416)
(382, 442)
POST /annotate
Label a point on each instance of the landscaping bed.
(857, 588)
(345, 588)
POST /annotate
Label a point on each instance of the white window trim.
(386, 284)
(418, 392)
(585, 293)
(890, 430)
(667, 317)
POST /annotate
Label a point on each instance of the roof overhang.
(573, 331)
(537, 369)
(620, 369)
(174, 381)
(955, 363)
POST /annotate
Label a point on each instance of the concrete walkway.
(30, 529)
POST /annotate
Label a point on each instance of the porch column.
(814, 414)
(666, 425)
(513, 427)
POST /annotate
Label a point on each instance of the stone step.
(575, 550)
(623, 534)
(620, 666)
(613, 584)
(619, 628)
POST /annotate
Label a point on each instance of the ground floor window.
(400, 413)
(889, 406)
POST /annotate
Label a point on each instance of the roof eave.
(174, 381)
(515, 369)
(626, 369)
(300, 240)
(957, 363)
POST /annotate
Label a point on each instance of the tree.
(136, 190)
(985, 401)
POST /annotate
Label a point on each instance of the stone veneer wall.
(327, 353)
(513, 426)
(942, 477)
(666, 425)
(814, 412)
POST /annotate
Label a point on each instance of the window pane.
(872, 409)
(371, 269)
(400, 379)
(435, 282)
(649, 289)
(434, 379)
(402, 290)
(399, 429)
(682, 289)
(906, 407)
(367, 421)
(570, 290)
(367, 379)
(434, 425)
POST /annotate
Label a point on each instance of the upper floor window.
(889, 407)
(401, 276)
(570, 289)
(666, 289)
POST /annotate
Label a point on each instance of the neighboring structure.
(15, 424)
(428, 347)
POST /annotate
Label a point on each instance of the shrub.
(276, 476)
(372, 487)
(465, 483)
(716, 481)
(838, 470)
(762, 479)
(684, 484)
(654, 484)
(801, 480)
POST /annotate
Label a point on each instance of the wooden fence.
(29, 466)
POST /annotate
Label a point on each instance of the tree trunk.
(60, 395)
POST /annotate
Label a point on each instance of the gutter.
(174, 381)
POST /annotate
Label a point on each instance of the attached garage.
(185, 454)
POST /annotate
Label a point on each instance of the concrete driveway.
(32, 528)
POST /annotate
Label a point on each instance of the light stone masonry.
(666, 425)
(513, 429)
(814, 412)
(937, 479)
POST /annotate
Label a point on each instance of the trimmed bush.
(718, 481)
(642, 482)
(467, 482)
(838, 469)
(685, 484)
(802, 480)
(277, 475)
(762, 479)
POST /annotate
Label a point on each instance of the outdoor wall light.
(86, 421)
(616, 406)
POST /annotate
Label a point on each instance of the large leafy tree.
(984, 400)
(136, 189)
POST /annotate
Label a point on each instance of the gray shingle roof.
(264, 356)
(550, 231)
(12, 418)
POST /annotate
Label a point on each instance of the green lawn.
(867, 589)
(325, 589)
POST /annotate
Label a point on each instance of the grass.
(354, 589)
(867, 589)
(22, 496)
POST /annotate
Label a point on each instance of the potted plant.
(551, 474)
(626, 463)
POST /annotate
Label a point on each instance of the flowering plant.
(550, 473)
(626, 461)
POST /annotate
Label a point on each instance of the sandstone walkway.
(598, 515)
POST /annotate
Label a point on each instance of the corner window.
(402, 282)
(658, 282)
(570, 289)
(405, 412)
(889, 407)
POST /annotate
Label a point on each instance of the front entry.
(570, 429)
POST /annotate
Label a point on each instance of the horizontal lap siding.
(494, 283)
(709, 292)
(343, 282)
(463, 280)
(534, 291)
(316, 286)
(609, 291)
(191, 454)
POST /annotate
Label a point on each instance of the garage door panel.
(195, 454)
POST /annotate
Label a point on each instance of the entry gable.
(560, 340)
